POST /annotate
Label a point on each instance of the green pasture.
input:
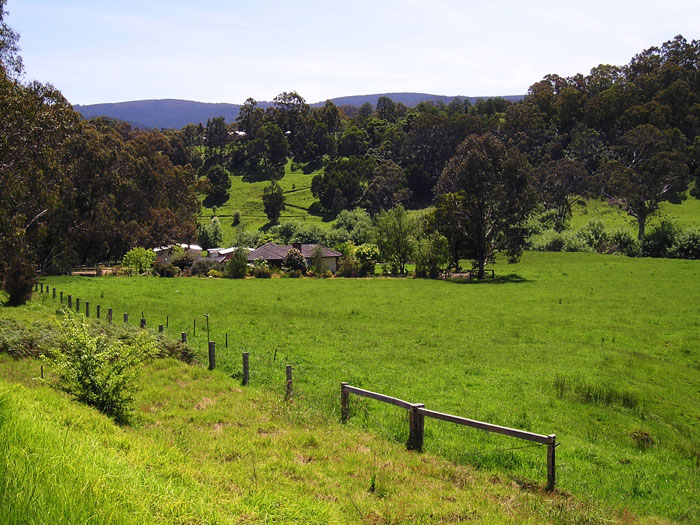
(246, 197)
(686, 214)
(601, 350)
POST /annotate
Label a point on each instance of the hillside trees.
(650, 170)
(491, 193)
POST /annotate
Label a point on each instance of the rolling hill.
(171, 113)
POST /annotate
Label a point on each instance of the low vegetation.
(569, 343)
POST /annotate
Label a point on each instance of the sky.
(227, 51)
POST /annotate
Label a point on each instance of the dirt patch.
(204, 403)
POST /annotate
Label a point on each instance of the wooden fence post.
(42, 287)
(290, 390)
(160, 328)
(551, 461)
(344, 403)
(97, 314)
(70, 301)
(212, 355)
(61, 295)
(246, 368)
(87, 309)
(126, 318)
(77, 304)
(36, 286)
(416, 423)
(194, 327)
(109, 315)
(142, 323)
(183, 337)
(54, 293)
(226, 339)
(167, 321)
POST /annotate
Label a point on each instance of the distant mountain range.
(170, 113)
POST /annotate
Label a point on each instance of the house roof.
(276, 252)
(182, 245)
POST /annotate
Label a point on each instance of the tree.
(294, 261)
(396, 231)
(491, 191)
(650, 170)
(217, 137)
(432, 254)
(237, 265)
(273, 201)
(342, 183)
(271, 148)
(387, 189)
(139, 259)
(559, 184)
(220, 183)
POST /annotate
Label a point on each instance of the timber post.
(416, 422)
(246, 368)
(344, 403)
(212, 355)
(290, 390)
(551, 461)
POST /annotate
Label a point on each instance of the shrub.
(19, 280)
(660, 240)
(292, 274)
(203, 266)
(432, 254)
(237, 265)
(182, 259)
(261, 270)
(623, 241)
(573, 242)
(318, 264)
(294, 261)
(686, 245)
(215, 273)
(547, 241)
(98, 372)
(236, 218)
(165, 270)
(140, 260)
(366, 255)
(593, 235)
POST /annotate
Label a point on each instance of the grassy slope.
(558, 349)
(204, 450)
(246, 197)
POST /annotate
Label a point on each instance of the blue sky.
(219, 51)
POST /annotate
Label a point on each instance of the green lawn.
(601, 350)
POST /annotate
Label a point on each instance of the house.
(273, 254)
(165, 253)
(222, 255)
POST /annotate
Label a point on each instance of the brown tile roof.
(276, 252)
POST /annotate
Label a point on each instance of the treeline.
(75, 192)
(626, 133)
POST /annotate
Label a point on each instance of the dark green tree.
(273, 201)
(491, 190)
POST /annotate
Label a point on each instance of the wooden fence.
(417, 414)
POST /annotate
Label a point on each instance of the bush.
(19, 280)
(236, 218)
(203, 266)
(182, 259)
(261, 269)
(660, 240)
(292, 274)
(237, 265)
(215, 273)
(294, 261)
(573, 242)
(686, 245)
(98, 372)
(623, 241)
(140, 260)
(432, 254)
(165, 270)
(593, 235)
(366, 255)
(547, 241)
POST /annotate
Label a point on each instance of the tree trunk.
(641, 221)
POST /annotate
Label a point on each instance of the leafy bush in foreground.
(99, 372)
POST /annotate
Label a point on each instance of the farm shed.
(273, 254)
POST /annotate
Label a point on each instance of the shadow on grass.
(319, 211)
(501, 279)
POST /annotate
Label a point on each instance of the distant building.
(273, 254)
(165, 253)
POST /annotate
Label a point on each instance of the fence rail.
(417, 414)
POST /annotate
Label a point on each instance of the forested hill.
(176, 114)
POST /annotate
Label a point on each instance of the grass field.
(601, 350)
(246, 197)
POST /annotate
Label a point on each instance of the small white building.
(165, 253)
